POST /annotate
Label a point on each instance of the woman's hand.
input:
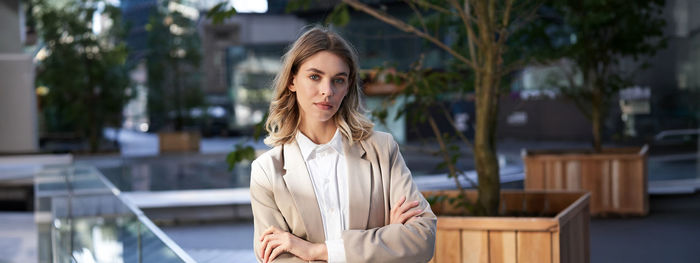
(275, 242)
(400, 213)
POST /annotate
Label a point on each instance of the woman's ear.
(291, 86)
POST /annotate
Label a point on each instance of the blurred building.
(18, 108)
(242, 55)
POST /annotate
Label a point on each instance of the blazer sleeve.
(265, 211)
(413, 241)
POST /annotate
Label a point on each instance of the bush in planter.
(594, 38)
(481, 47)
(484, 51)
(173, 60)
(84, 74)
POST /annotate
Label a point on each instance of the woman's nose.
(327, 88)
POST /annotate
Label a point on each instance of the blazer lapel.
(299, 184)
(359, 184)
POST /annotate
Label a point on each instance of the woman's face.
(320, 85)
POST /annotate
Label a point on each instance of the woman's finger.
(276, 252)
(263, 245)
(410, 214)
(269, 230)
(407, 206)
(398, 204)
(270, 246)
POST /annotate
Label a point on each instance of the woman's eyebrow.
(315, 70)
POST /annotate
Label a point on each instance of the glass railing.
(81, 217)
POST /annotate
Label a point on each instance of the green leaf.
(296, 5)
(240, 154)
(340, 16)
(219, 13)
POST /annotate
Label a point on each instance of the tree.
(597, 36)
(173, 60)
(484, 28)
(85, 71)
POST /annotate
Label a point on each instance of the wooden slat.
(573, 210)
(632, 188)
(553, 175)
(615, 180)
(534, 247)
(573, 175)
(497, 223)
(605, 189)
(448, 246)
(574, 235)
(556, 247)
(558, 175)
(534, 174)
(502, 246)
(565, 237)
(467, 239)
(475, 246)
(592, 180)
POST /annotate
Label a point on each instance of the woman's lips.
(323, 106)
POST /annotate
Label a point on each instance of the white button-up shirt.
(327, 168)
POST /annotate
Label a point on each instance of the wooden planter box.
(179, 141)
(376, 85)
(563, 237)
(616, 178)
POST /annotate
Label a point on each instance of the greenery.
(173, 59)
(488, 41)
(85, 72)
(597, 36)
(477, 35)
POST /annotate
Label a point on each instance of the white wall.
(18, 116)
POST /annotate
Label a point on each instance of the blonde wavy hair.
(284, 118)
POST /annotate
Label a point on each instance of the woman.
(332, 189)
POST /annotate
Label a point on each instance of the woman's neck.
(319, 132)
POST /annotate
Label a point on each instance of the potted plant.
(591, 75)
(82, 76)
(174, 93)
(487, 224)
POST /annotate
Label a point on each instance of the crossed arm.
(410, 236)
(275, 241)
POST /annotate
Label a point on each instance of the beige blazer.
(282, 195)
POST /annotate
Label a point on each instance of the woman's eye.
(315, 77)
(339, 81)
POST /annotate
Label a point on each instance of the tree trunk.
(179, 123)
(596, 110)
(484, 146)
(93, 133)
(486, 84)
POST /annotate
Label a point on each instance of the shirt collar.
(307, 146)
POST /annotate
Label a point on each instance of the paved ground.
(18, 237)
(670, 233)
(215, 242)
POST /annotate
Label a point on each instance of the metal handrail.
(678, 132)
